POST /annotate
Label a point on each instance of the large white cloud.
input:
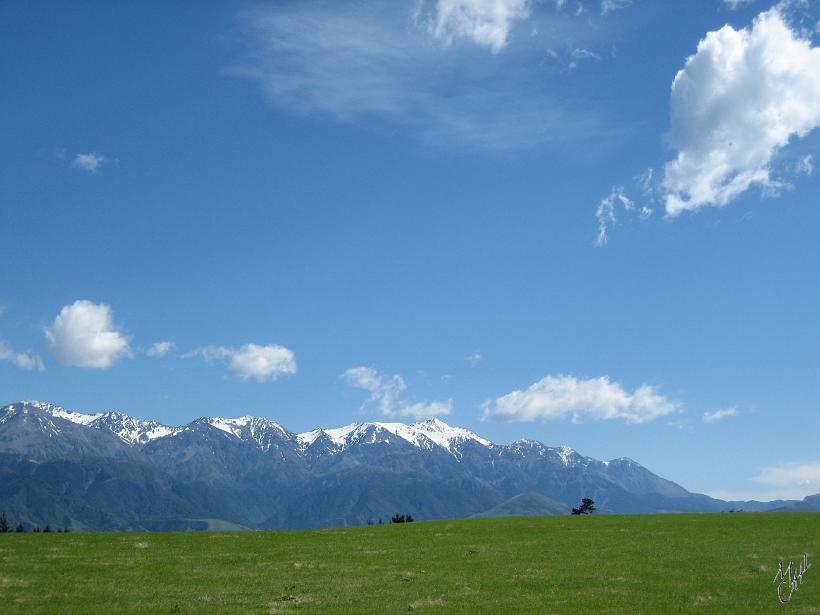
(484, 22)
(84, 335)
(23, 360)
(555, 397)
(251, 361)
(385, 395)
(742, 97)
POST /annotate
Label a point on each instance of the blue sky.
(588, 223)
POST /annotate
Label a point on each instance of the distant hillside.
(526, 505)
(810, 503)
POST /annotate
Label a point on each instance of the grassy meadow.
(715, 563)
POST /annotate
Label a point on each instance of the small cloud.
(83, 335)
(160, 349)
(251, 361)
(385, 394)
(733, 4)
(555, 397)
(607, 208)
(608, 6)
(719, 415)
(585, 54)
(474, 359)
(805, 166)
(23, 360)
(486, 24)
(90, 162)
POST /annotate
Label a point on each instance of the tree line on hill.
(5, 526)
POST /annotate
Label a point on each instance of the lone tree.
(587, 507)
(4, 523)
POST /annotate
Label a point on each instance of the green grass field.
(719, 563)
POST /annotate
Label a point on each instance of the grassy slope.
(526, 505)
(722, 563)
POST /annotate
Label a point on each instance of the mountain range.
(110, 471)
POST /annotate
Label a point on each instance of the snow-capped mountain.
(108, 470)
(424, 435)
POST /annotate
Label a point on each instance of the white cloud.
(250, 361)
(718, 415)
(84, 335)
(740, 99)
(23, 360)
(556, 397)
(474, 358)
(385, 394)
(797, 478)
(608, 6)
(160, 349)
(607, 208)
(262, 362)
(90, 162)
(484, 22)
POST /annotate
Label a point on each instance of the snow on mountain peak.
(60, 412)
(565, 453)
(425, 434)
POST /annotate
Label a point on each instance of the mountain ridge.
(109, 470)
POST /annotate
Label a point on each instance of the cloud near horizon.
(794, 477)
(385, 395)
(250, 361)
(556, 397)
(741, 98)
(84, 335)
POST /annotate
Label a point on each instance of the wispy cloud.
(474, 358)
(606, 214)
(160, 349)
(378, 65)
(719, 415)
(556, 397)
(262, 363)
(608, 6)
(385, 395)
(805, 165)
(23, 360)
(89, 162)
